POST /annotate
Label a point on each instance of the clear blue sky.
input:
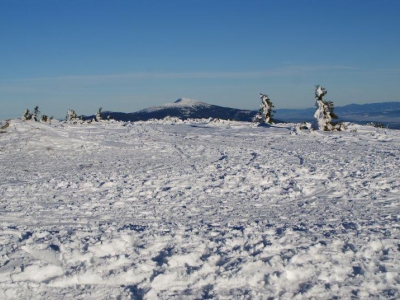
(128, 55)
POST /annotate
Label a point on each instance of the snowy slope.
(198, 210)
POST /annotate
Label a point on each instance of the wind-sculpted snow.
(198, 210)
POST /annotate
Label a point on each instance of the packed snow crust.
(204, 209)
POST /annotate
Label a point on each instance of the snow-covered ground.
(198, 211)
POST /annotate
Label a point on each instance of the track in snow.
(198, 210)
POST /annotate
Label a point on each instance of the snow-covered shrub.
(27, 115)
(35, 116)
(168, 120)
(32, 116)
(264, 115)
(46, 119)
(325, 113)
(300, 128)
(303, 126)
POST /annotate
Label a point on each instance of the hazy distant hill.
(184, 109)
(385, 112)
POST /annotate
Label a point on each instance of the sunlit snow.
(203, 209)
(180, 103)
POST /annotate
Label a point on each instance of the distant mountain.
(385, 113)
(295, 115)
(184, 108)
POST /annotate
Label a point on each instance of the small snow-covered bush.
(303, 126)
(300, 128)
(264, 115)
(4, 125)
(376, 125)
(325, 113)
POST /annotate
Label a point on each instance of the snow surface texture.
(198, 210)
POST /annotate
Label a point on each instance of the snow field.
(197, 210)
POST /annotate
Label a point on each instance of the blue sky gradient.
(128, 55)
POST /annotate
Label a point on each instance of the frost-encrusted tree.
(36, 113)
(324, 113)
(98, 115)
(71, 116)
(264, 115)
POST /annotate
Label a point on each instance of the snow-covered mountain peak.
(188, 102)
(180, 103)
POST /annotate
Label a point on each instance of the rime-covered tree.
(71, 116)
(98, 115)
(32, 116)
(36, 113)
(264, 115)
(27, 115)
(324, 113)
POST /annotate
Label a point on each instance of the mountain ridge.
(383, 112)
(185, 108)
